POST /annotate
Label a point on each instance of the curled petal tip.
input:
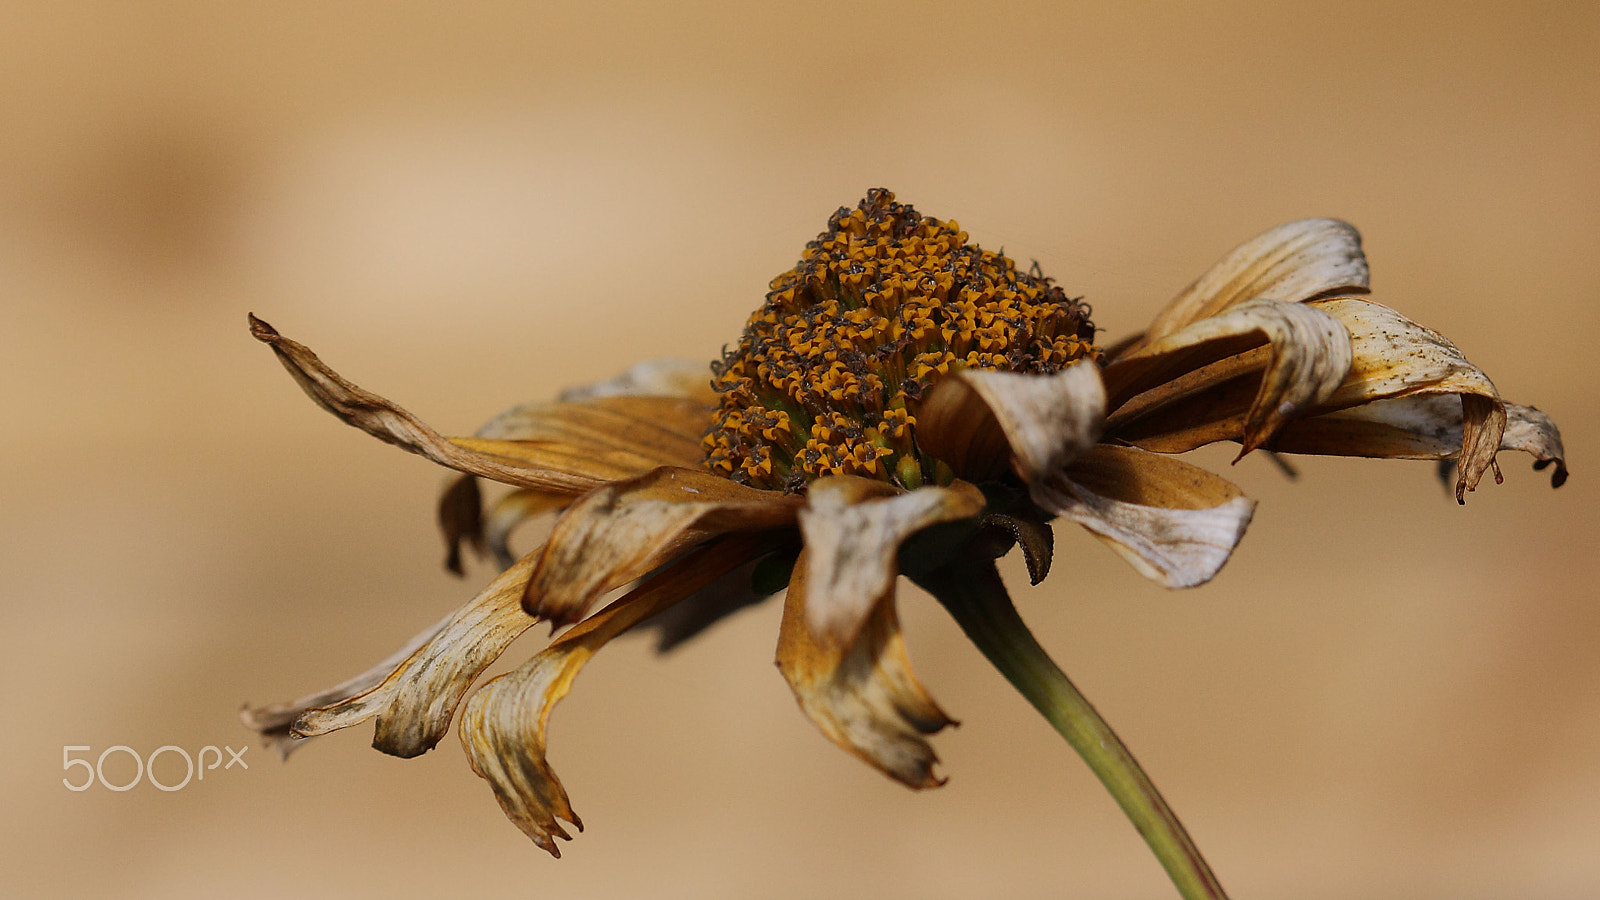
(1558, 477)
(260, 330)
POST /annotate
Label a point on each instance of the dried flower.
(904, 403)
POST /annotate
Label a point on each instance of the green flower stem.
(976, 597)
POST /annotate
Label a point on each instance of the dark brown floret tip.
(829, 372)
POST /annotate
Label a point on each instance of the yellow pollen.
(829, 373)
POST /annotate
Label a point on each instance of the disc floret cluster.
(829, 374)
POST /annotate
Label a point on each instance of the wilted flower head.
(903, 403)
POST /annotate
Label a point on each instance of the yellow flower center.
(830, 372)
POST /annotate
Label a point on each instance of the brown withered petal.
(651, 415)
(570, 472)
(275, 722)
(1047, 420)
(1423, 426)
(1174, 522)
(1396, 357)
(1290, 263)
(633, 526)
(519, 462)
(853, 528)
(637, 432)
(503, 725)
(1301, 353)
(864, 695)
(417, 694)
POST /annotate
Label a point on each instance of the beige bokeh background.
(461, 206)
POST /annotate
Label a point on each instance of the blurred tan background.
(462, 206)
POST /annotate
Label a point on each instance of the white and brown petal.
(862, 695)
(1534, 433)
(1175, 523)
(1385, 401)
(853, 528)
(1289, 264)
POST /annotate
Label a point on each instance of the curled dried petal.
(1035, 538)
(569, 471)
(1396, 357)
(1421, 426)
(1301, 353)
(633, 526)
(414, 693)
(853, 529)
(275, 722)
(1175, 523)
(1290, 263)
(863, 695)
(503, 725)
(461, 520)
(1047, 420)
(1534, 433)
